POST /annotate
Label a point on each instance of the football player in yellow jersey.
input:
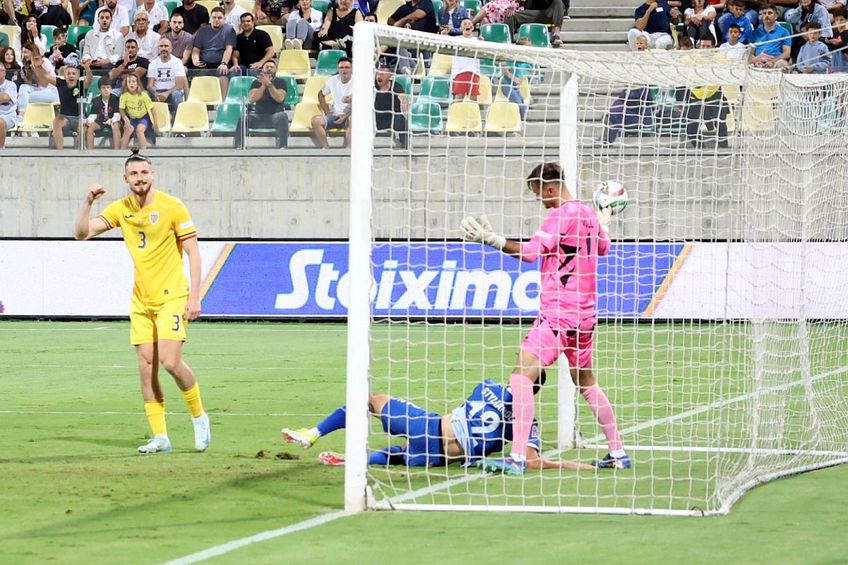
(157, 228)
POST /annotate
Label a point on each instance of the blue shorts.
(145, 120)
(422, 428)
(330, 122)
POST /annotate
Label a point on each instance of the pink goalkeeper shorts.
(547, 343)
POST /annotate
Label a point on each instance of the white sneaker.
(159, 444)
(288, 44)
(202, 433)
(297, 43)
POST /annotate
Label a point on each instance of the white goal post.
(721, 336)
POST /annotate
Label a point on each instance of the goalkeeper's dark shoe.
(610, 462)
(505, 465)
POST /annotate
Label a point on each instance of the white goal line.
(742, 450)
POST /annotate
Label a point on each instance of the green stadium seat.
(171, 5)
(489, 68)
(328, 62)
(321, 5)
(47, 30)
(536, 33)
(787, 26)
(238, 89)
(227, 118)
(75, 33)
(437, 8)
(405, 82)
(4, 40)
(435, 89)
(425, 117)
(496, 33)
(473, 6)
(292, 94)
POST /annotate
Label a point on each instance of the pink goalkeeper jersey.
(569, 242)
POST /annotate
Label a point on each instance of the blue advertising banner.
(439, 280)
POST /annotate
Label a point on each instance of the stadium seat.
(536, 33)
(295, 63)
(787, 26)
(328, 62)
(321, 5)
(209, 4)
(205, 90)
(485, 96)
(4, 40)
(440, 64)
(489, 68)
(757, 110)
(496, 33)
(227, 118)
(277, 35)
(437, 8)
(386, 8)
(420, 68)
(303, 114)
(246, 5)
(425, 117)
(48, 30)
(504, 117)
(292, 94)
(13, 37)
(75, 33)
(473, 6)
(93, 89)
(435, 89)
(464, 117)
(312, 88)
(191, 118)
(238, 89)
(172, 5)
(523, 88)
(163, 116)
(405, 82)
(38, 117)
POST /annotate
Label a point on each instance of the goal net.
(720, 340)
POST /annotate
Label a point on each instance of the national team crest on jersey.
(154, 217)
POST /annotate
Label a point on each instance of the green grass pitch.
(74, 491)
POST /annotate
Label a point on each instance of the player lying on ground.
(479, 427)
(569, 242)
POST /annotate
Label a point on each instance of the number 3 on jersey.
(143, 237)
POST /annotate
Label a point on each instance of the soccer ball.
(610, 194)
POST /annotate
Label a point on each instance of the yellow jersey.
(154, 237)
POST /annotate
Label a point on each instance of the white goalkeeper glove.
(604, 217)
(480, 230)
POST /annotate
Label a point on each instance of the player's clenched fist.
(95, 191)
(480, 230)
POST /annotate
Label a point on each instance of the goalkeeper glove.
(480, 230)
(604, 217)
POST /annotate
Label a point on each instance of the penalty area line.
(217, 550)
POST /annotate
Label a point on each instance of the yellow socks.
(192, 398)
(156, 417)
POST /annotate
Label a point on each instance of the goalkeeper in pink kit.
(569, 241)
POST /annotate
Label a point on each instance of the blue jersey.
(483, 423)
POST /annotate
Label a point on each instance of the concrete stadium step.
(576, 45)
(597, 37)
(605, 4)
(601, 12)
(597, 24)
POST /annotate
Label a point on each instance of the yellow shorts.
(150, 323)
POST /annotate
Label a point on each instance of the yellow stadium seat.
(485, 96)
(163, 116)
(440, 64)
(503, 117)
(205, 90)
(277, 35)
(523, 88)
(464, 117)
(386, 8)
(209, 4)
(191, 118)
(38, 117)
(294, 63)
(312, 88)
(14, 34)
(420, 69)
(732, 93)
(303, 114)
(246, 5)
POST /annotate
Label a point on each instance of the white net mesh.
(720, 337)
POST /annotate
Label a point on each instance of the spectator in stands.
(9, 61)
(103, 45)
(120, 16)
(130, 63)
(38, 79)
(136, 111)
(87, 9)
(67, 121)
(706, 110)
(340, 86)
(684, 44)
(32, 34)
(302, 25)
(496, 11)
(390, 106)
(642, 43)
(699, 20)
(157, 15)
(736, 15)
(550, 12)
(514, 73)
(451, 17)
(194, 16)
(181, 40)
(14, 12)
(103, 119)
(55, 15)
(809, 11)
(652, 21)
(465, 71)
(337, 31)
(233, 13)
(253, 49)
(814, 56)
(61, 50)
(148, 41)
(839, 41)
(213, 48)
(166, 76)
(267, 94)
(271, 12)
(632, 111)
(733, 48)
(419, 15)
(8, 105)
(773, 42)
